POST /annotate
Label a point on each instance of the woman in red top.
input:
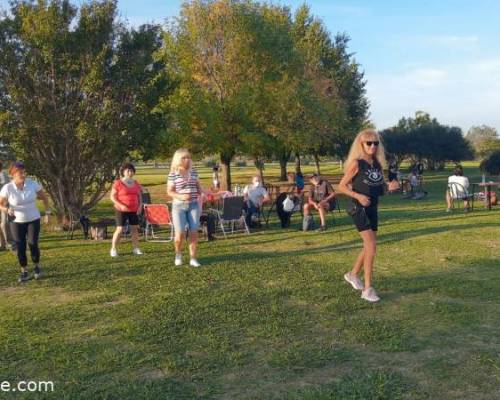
(126, 198)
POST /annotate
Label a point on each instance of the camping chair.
(157, 215)
(458, 193)
(231, 213)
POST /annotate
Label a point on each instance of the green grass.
(269, 315)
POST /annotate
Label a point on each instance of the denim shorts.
(185, 213)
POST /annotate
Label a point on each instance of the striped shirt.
(185, 186)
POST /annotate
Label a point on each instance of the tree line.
(81, 91)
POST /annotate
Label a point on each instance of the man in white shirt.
(255, 196)
(458, 188)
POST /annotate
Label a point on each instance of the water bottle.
(483, 180)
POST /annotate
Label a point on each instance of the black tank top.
(369, 180)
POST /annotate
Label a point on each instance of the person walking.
(18, 200)
(364, 183)
(127, 201)
(184, 188)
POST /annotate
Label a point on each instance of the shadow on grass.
(382, 239)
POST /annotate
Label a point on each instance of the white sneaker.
(113, 253)
(354, 281)
(178, 260)
(370, 295)
(194, 263)
(137, 251)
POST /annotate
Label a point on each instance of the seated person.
(458, 191)
(299, 182)
(255, 195)
(321, 197)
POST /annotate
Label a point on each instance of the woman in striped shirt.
(184, 188)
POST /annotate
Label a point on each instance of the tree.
(424, 139)
(491, 165)
(484, 139)
(214, 50)
(336, 107)
(77, 95)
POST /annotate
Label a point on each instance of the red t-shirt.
(128, 196)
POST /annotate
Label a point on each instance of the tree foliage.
(424, 139)
(491, 165)
(77, 95)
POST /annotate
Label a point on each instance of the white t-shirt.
(23, 202)
(457, 190)
(255, 194)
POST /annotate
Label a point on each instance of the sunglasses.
(370, 143)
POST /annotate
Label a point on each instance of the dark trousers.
(250, 210)
(26, 233)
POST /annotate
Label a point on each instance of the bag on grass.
(308, 223)
(288, 204)
(98, 233)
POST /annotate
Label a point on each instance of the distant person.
(18, 199)
(255, 196)
(393, 169)
(184, 188)
(127, 200)
(419, 168)
(321, 198)
(4, 222)
(215, 177)
(364, 183)
(393, 176)
(299, 182)
(459, 188)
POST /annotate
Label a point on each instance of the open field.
(268, 316)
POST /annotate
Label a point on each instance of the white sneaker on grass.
(370, 295)
(354, 281)
(178, 260)
(194, 263)
(137, 251)
(113, 253)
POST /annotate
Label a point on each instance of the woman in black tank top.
(364, 183)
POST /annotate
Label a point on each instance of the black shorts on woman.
(369, 181)
(124, 217)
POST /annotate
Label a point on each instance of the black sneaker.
(24, 277)
(38, 272)
(322, 228)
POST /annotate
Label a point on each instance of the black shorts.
(366, 218)
(123, 217)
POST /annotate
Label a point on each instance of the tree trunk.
(259, 164)
(316, 161)
(297, 163)
(284, 157)
(225, 160)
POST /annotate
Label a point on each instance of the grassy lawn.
(268, 316)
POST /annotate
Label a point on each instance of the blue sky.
(442, 56)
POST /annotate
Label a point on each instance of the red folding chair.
(157, 215)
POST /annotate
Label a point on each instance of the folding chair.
(157, 215)
(458, 193)
(231, 212)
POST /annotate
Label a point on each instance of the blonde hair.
(357, 151)
(177, 160)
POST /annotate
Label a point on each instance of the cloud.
(489, 66)
(450, 40)
(426, 77)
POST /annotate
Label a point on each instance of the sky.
(442, 57)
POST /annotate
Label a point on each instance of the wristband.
(48, 212)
